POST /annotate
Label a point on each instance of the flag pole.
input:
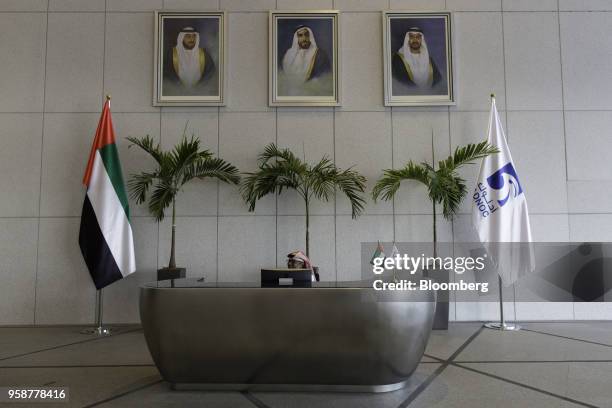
(99, 329)
(501, 325)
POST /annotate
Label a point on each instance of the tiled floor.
(545, 365)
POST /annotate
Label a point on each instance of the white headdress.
(297, 61)
(419, 63)
(188, 60)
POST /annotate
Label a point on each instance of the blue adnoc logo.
(497, 181)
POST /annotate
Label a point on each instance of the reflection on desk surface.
(203, 283)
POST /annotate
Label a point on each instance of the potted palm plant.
(176, 167)
(280, 169)
(444, 187)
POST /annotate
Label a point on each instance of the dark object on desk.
(171, 273)
(315, 271)
(286, 277)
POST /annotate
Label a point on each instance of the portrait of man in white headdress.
(187, 63)
(418, 58)
(190, 58)
(305, 60)
(412, 65)
(304, 57)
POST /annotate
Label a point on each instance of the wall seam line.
(503, 33)
(158, 223)
(448, 111)
(160, 143)
(103, 92)
(218, 190)
(276, 195)
(42, 147)
(335, 195)
(218, 217)
(452, 223)
(393, 167)
(569, 226)
(117, 111)
(600, 11)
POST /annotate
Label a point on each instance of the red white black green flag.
(105, 237)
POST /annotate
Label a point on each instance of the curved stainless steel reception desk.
(219, 336)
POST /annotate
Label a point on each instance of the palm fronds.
(352, 184)
(444, 185)
(467, 154)
(176, 167)
(388, 185)
(280, 169)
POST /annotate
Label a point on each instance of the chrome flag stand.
(99, 330)
(502, 325)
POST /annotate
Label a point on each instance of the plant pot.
(441, 315)
(171, 273)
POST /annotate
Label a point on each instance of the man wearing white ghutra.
(412, 64)
(187, 64)
(304, 60)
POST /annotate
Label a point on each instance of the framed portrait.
(304, 58)
(189, 58)
(418, 60)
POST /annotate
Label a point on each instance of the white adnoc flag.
(499, 209)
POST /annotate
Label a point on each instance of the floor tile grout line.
(123, 394)
(254, 400)
(119, 326)
(467, 343)
(529, 361)
(418, 390)
(568, 338)
(81, 366)
(438, 359)
(69, 344)
(441, 360)
(530, 387)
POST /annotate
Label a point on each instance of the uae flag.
(105, 237)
